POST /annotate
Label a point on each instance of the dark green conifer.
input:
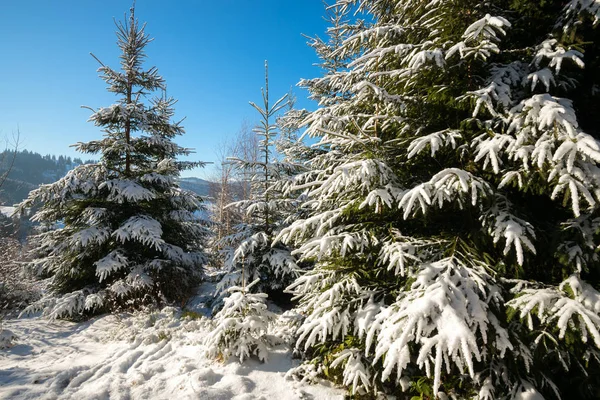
(453, 222)
(125, 234)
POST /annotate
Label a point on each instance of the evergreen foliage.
(453, 219)
(241, 326)
(250, 253)
(128, 234)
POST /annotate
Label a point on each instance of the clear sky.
(211, 54)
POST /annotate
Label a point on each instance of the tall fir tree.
(130, 234)
(250, 253)
(454, 222)
(326, 89)
(293, 158)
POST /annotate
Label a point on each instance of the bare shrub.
(18, 288)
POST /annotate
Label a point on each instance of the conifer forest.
(429, 230)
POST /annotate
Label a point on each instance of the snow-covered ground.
(7, 210)
(140, 356)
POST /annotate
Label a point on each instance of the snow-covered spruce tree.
(454, 223)
(293, 158)
(249, 252)
(296, 154)
(292, 153)
(130, 235)
(327, 89)
(241, 327)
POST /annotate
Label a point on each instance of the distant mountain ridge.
(30, 170)
(197, 185)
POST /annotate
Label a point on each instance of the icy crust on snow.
(157, 355)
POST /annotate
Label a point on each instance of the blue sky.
(211, 54)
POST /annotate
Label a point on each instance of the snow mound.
(6, 338)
